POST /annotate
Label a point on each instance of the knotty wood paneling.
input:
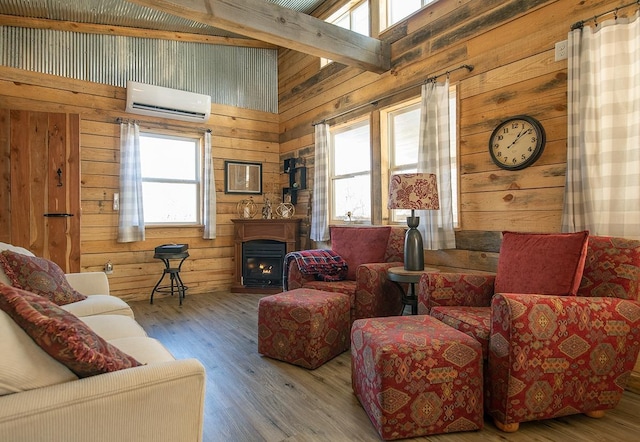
(238, 134)
(5, 177)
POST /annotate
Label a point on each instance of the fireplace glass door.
(262, 262)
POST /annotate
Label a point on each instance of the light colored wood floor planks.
(253, 398)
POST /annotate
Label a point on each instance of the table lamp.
(415, 191)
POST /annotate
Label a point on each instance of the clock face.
(517, 142)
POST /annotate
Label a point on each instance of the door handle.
(58, 215)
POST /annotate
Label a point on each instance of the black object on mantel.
(166, 249)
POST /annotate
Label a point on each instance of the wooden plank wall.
(238, 134)
(511, 46)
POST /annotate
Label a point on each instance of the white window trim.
(199, 174)
(412, 167)
(346, 9)
(334, 217)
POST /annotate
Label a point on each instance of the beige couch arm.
(157, 402)
(89, 283)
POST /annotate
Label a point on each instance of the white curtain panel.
(436, 226)
(602, 191)
(131, 214)
(320, 206)
(209, 196)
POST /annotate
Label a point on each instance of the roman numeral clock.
(517, 142)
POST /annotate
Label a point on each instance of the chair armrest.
(550, 354)
(376, 295)
(159, 402)
(295, 278)
(454, 289)
(89, 283)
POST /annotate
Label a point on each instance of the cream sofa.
(42, 400)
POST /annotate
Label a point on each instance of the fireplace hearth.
(262, 262)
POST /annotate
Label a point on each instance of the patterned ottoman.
(304, 327)
(416, 376)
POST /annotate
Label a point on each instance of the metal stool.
(174, 275)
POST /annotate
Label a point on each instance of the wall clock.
(517, 142)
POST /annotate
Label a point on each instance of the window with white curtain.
(350, 172)
(401, 124)
(171, 178)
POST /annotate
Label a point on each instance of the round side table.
(410, 277)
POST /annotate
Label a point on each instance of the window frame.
(397, 216)
(384, 13)
(198, 180)
(347, 9)
(334, 131)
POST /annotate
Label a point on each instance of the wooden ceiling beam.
(284, 27)
(89, 28)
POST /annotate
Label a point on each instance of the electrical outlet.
(116, 201)
(561, 50)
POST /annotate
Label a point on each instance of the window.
(171, 178)
(350, 172)
(353, 16)
(402, 126)
(392, 11)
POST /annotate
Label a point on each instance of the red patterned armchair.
(548, 355)
(368, 252)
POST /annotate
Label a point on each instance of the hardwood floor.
(253, 398)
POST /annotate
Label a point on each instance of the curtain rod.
(150, 123)
(580, 24)
(432, 78)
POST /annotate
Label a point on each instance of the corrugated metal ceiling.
(124, 13)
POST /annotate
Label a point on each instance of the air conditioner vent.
(157, 101)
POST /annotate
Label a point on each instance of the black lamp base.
(413, 248)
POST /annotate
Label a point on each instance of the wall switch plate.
(116, 201)
(562, 50)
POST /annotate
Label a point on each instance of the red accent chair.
(549, 356)
(369, 252)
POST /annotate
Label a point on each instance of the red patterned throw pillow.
(541, 263)
(62, 335)
(39, 276)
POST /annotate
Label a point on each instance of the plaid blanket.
(324, 264)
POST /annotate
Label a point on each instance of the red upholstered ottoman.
(304, 327)
(416, 376)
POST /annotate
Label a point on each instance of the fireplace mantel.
(284, 230)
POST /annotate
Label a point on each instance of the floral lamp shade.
(416, 191)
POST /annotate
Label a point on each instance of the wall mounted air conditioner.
(157, 101)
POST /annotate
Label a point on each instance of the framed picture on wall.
(241, 177)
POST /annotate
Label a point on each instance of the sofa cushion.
(144, 349)
(24, 365)
(39, 276)
(62, 335)
(359, 245)
(543, 263)
(110, 327)
(99, 305)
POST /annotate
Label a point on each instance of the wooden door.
(42, 176)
